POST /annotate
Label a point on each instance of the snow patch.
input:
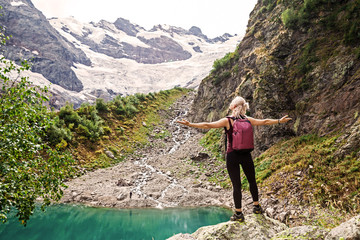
(17, 4)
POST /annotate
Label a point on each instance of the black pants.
(233, 161)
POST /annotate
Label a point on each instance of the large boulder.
(255, 227)
(349, 230)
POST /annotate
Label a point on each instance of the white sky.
(214, 17)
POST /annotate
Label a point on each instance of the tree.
(29, 168)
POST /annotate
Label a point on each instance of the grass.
(307, 165)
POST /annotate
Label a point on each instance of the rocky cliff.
(34, 38)
(297, 58)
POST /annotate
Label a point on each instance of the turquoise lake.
(70, 222)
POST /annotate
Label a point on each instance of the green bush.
(220, 63)
(130, 110)
(141, 97)
(101, 105)
(55, 134)
(151, 96)
(289, 18)
(93, 130)
(69, 116)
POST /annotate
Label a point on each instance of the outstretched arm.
(260, 122)
(207, 125)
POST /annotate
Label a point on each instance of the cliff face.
(297, 58)
(34, 38)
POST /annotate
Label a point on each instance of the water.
(79, 222)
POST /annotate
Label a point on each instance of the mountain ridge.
(84, 61)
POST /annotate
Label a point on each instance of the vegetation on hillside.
(119, 126)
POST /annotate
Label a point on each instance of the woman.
(235, 158)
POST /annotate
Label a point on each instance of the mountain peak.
(127, 27)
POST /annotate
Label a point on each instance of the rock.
(122, 183)
(121, 197)
(109, 154)
(255, 227)
(200, 157)
(270, 212)
(74, 194)
(86, 196)
(329, 101)
(302, 232)
(282, 216)
(349, 230)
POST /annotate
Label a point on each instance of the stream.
(178, 137)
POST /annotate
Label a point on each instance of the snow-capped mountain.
(107, 59)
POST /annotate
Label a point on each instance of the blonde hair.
(238, 106)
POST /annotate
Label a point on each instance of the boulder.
(255, 227)
(302, 232)
(349, 230)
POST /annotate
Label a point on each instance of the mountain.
(34, 38)
(84, 61)
(300, 59)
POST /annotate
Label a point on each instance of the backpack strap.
(226, 131)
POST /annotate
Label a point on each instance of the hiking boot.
(238, 217)
(257, 209)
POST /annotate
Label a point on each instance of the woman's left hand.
(285, 119)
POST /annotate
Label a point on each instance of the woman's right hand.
(184, 122)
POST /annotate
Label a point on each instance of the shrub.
(130, 110)
(140, 96)
(101, 105)
(68, 114)
(56, 134)
(289, 18)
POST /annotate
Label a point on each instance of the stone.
(257, 227)
(109, 154)
(270, 212)
(121, 197)
(349, 230)
(302, 232)
(283, 216)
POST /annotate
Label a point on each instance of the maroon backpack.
(242, 137)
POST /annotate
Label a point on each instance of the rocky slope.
(84, 61)
(160, 175)
(294, 59)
